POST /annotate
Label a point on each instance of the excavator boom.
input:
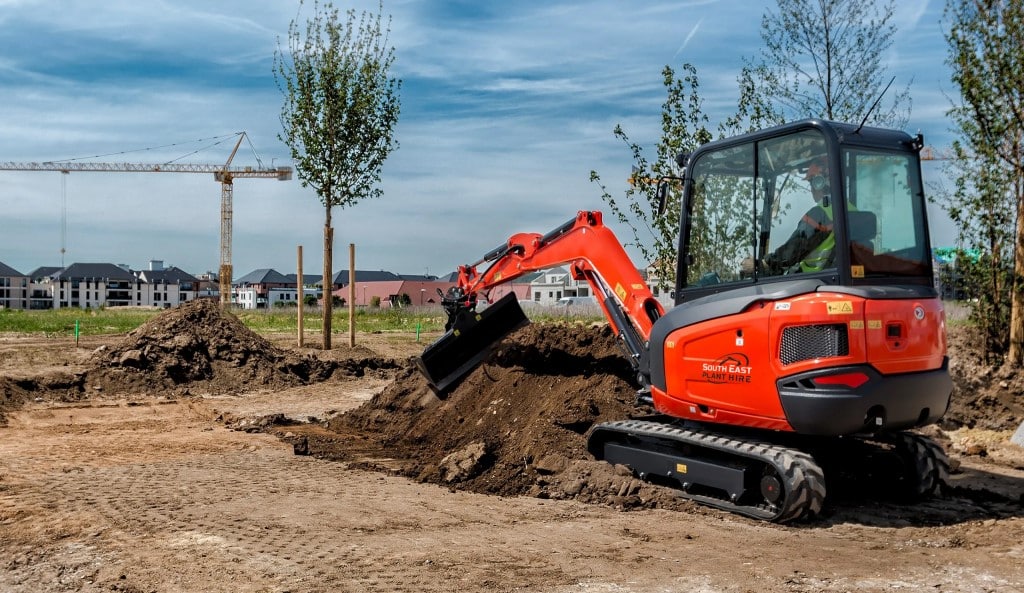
(592, 253)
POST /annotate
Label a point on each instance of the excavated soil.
(153, 450)
(514, 426)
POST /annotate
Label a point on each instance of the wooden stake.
(302, 293)
(351, 294)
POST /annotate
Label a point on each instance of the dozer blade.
(469, 341)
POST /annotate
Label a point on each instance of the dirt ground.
(194, 455)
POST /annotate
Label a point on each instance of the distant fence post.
(302, 293)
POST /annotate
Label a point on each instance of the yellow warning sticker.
(620, 292)
(857, 324)
(680, 468)
(639, 286)
(840, 308)
(874, 324)
(497, 277)
(857, 271)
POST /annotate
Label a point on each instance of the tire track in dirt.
(250, 512)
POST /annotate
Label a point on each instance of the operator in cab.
(810, 248)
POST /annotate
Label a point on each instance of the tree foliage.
(985, 39)
(821, 58)
(340, 110)
(683, 129)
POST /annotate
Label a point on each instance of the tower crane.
(225, 174)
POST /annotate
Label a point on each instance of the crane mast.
(225, 174)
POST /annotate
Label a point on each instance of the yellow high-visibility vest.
(817, 259)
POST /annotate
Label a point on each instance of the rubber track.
(804, 481)
(931, 465)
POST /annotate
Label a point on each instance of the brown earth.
(164, 460)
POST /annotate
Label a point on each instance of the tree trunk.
(328, 283)
(1016, 350)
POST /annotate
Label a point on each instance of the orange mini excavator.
(806, 331)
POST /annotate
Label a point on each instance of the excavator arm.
(592, 253)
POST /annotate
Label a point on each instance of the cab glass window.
(721, 216)
(887, 224)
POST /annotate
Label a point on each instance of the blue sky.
(506, 108)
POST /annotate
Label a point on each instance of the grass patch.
(114, 320)
(120, 320)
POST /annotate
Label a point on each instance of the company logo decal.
(731, 368)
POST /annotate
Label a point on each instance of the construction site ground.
(192, 455)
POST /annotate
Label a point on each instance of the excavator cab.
(834, 202)
(805, 255)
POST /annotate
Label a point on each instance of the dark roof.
(43, 272)
(306, 278)
(9, 272)
(78, 271)
(365, 276)
(265, 276)
(169, 275)
(417, 277)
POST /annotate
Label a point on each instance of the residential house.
(341, 279)
(40, 294)
(164, 287)
(14, 288)
(93, 285)
(87, 285)
(387, 289)
(550, 285)
(208, 285)
(252, 291)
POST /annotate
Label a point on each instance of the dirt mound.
(513, 426)
(196, 342)
(13, 393)
(194, 348)
(984, 396)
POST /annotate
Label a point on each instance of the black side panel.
(889, 403)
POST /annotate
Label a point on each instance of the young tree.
(985, 38)
(683, 129)
(821, 58)
(984, 212)
(340, 110)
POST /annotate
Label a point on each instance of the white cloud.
(505, 113)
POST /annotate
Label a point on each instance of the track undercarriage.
(765, 480)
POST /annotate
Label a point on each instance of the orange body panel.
(725, 370)
(922, 343)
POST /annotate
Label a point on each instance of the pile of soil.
(192, 349)
(984, 396)
(197, 342)
(515, 425)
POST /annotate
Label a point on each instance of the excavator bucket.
(469, 341)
